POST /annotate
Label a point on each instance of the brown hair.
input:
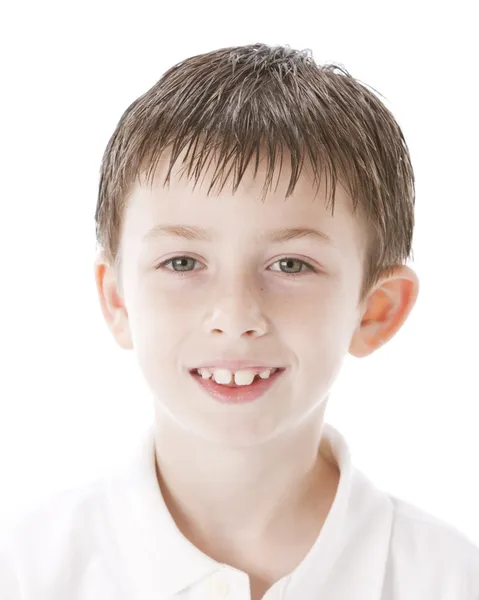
(234, 101)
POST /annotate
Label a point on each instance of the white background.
(72, 404)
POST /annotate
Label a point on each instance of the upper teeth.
(224, 376)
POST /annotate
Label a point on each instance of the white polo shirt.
(115, 540)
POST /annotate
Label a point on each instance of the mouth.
(257, 377)
(236, 394)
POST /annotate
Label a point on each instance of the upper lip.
(236, 365)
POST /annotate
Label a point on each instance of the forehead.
(246, 210)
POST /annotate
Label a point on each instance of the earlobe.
(112, 305)
(386, 309)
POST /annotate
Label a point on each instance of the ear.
(385, 310)
(112, 305)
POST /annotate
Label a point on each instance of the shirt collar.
(163, 562)
(349, 556)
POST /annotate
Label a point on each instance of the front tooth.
(222, 376)
(244, 377)
(225, 376)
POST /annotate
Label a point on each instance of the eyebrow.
(276, 236)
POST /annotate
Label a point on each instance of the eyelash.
(310, 267)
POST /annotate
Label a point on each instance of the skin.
(245, 483)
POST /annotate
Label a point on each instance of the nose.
(238, 312)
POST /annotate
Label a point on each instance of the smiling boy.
(255, 214)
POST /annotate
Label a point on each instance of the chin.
(231, 429)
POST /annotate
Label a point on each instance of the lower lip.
(237, 394)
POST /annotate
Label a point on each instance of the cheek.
(322, 333)
(158, 325)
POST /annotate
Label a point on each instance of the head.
(226, 150)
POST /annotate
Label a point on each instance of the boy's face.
(238, 299)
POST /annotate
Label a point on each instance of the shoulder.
(426, 548)
(56, 517)
(413, 524)
(51, 546)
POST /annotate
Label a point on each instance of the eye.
(174, 261)
(290, 260)
(179, 261)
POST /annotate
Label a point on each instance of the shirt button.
(218, 587)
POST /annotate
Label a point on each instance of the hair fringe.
(229, 105)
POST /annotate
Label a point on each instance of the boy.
(241, 299)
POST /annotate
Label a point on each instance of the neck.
(255, 495)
